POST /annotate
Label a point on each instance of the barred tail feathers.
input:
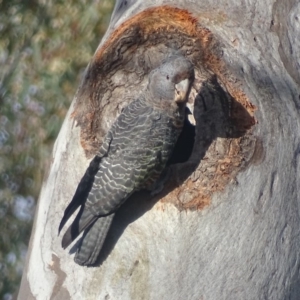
(92, 241)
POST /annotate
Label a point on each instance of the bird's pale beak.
(182, 90)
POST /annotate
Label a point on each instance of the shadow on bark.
(217, 115)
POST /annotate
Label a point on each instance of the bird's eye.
(168, 77)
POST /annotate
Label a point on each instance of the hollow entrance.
(207, 156)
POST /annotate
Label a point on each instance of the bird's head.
(172, 81)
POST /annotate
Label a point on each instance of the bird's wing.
(87, 181)
(112, 178)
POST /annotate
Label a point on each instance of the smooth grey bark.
(227, 226)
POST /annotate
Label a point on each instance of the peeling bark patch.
(58, 292)
(259, 152)
(224, 116)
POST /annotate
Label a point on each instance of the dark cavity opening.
(185, 143)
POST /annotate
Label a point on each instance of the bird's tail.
(92, 241)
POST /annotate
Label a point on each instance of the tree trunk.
(226, 225)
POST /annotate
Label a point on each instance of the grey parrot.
(132, 157)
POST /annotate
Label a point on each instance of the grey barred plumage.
(133, 155)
